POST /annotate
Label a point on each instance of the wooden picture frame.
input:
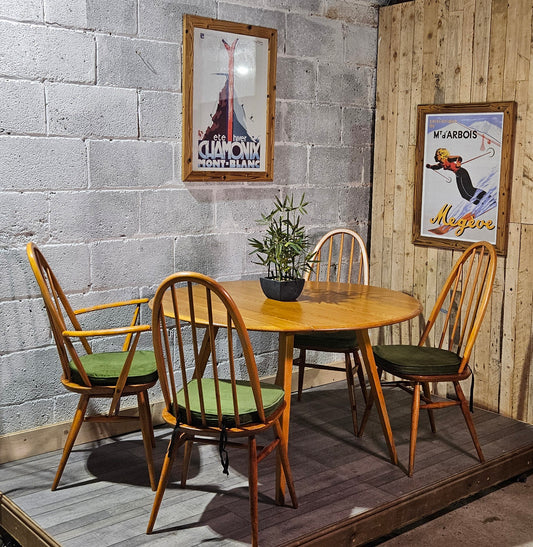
(456, 204)
(229, 82)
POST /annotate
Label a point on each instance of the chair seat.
(338, 341)
(403, 360)
(103, 369)
(273, 397)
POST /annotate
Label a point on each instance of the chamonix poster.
(230, 97)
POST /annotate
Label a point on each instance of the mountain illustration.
(488, 129)
(220, 118)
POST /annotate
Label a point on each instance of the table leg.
(375, 385)
(205, 352)
(284, 380)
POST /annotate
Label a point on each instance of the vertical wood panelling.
(380, 151)
(498, 32)
(467, 45)
(417, 97)
(512, 50)
(448, 51)
(401, 169)
(480, 52)
(454, 57)
(392, 148)
(430, 90)
(490, 381)
(519, 90)
(527, 171)
(507, 378)
(410, 270)
(524, 326)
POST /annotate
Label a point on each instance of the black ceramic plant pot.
(282, 290)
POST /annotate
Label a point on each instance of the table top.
(322, 306)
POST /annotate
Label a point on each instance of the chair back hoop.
(197, 308)
(342, 257)
(458, 312)
(59, 311)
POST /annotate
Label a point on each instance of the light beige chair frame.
(342, 257)
(67, 330)
(455, 328)
(198, 301)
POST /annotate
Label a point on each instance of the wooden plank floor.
(343, 483)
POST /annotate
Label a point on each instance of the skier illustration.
(464, 183)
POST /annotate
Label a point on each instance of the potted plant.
(284, 249)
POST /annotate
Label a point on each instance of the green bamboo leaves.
(284, 249)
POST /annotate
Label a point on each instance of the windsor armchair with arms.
(110, 374)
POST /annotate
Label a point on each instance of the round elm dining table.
(322, 306)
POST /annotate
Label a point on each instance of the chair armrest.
(128, 331)
(107, 332)
(136, 302)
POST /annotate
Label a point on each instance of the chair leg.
(368, 407)
(415, 413)
(71, 437)
(301, 371)
(151, 422)
(427, 395)
(173, 446)
(252, 485)
(468, 419)
(351, 390)
(366, 415)
(187, 451)
(360, 375)
(147, 430)
(283, 453)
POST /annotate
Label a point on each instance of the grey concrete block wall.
(90, 151)
(42, 163)
(22, 106)
(92, 111)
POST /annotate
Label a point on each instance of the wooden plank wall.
(451, 51)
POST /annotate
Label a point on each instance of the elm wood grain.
(322, 306)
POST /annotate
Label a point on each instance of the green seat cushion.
(327, 341)
(103, 369)
(415, 360)
(272, 395)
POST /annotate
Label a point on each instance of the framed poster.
(229, 81)
(464, 157)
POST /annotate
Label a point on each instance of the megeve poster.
(462, 167)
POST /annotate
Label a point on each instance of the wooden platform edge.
(21, 527)
(427, 501)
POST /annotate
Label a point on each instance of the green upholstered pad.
(104, 369)
(416, 360)
(327, 341)
(272, 398)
